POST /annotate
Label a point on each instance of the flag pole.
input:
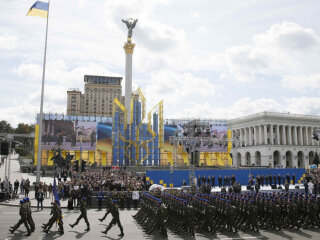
(41, 103)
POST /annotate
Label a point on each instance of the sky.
(205, 59)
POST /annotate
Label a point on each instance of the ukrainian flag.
(39, 9)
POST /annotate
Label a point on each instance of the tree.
(24, 128)
(316, 159)
(5, 127)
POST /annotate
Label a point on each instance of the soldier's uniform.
(29, 215)
(112, 208)
(83, 214)
(56, 217)
(23, 219)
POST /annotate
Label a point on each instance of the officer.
(83, 214)
(23, 219)
(56, 217)
(113, 209)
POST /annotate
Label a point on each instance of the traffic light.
(83, 166)
(75, 166)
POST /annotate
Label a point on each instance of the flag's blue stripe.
(40, 5)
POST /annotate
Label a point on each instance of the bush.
(21, 151)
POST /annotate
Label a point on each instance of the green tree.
(5, 127)
(24, 128)
(21, 151)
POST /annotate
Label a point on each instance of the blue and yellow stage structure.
(138, 141)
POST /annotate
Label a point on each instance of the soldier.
(29, 214)
(213, 181)
(112, 208)
(23, 219)
(220, 181)
(83, 214)
(56, 217)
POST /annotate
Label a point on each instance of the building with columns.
(274, 139)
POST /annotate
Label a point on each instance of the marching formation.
(25, 217)
(182, 212)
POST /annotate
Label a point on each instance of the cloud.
(8, 42)
(302, 83)
(195, 15)
(285, 49)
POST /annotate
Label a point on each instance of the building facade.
(274, 140)
(99, 92)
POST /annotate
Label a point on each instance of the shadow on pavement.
(19, 235)
(52, 235)
(79, 234)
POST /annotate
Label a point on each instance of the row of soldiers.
(182, 212)
(57, 217)
(151, 215)
(25, 217)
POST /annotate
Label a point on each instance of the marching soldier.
(56, 217)
(29, 214)
(113, 209)
(23, 219)
(83, 214)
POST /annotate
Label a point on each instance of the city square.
(201, 123)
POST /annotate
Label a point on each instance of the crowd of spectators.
(99, 183)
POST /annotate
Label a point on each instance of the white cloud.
(8, 42)
(285, 49)
(302, 83)
(202, 29)
(195, 15)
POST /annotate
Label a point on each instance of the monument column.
(271, 134)
(128, 48)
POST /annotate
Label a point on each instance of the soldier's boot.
(121, 234)
(88, 228)
(100, 219)
(28, 233)
(71, 225)
(12, 230)
(105, 231)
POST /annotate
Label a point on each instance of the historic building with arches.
(270, 139)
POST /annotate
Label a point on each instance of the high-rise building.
(99, 92)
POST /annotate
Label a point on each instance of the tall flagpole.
(41, 104)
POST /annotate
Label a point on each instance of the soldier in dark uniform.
(233, 179)
(112, 208)
(128, 195)
(294, 179)
(199, 181)
(213, 181)
(279, 179)
(23, 219)
(270, 179)
(220, 181)
(262, 180)
(56, 217)
(83, 214)
(29, 214)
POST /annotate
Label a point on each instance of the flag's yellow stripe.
(38, 13)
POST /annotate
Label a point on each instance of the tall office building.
(99, 92)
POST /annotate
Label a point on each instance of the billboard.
(209, 137)
(104, 137)
(69, 135)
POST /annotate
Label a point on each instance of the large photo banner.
(69, 135)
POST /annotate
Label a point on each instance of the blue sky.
(212, 59)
